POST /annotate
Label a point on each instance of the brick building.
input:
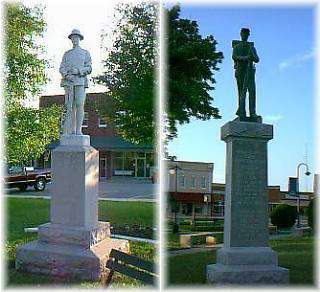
(117, 157)
(195, 199)
(189, 185)
(275, 195)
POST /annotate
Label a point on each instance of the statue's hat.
(77, 32)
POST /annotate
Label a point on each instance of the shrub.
(283, 216)
(185, 222)
(175, 228)
(310, 213)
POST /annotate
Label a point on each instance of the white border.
(252, 3)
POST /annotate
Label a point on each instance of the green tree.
(24, 66)
(130, 72)
(28, 131)
(192, 62)
(283, 216)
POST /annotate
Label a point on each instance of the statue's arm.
(63, 67)
(87, 68)
(255, 57)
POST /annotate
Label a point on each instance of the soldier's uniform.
(75, 60)
(245, 75)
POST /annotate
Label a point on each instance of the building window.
(193, 182)
(198, 209)
(218, 208)
(124, 164)
(203, 182)
(182, 181)
(102, 123)
(85, 120)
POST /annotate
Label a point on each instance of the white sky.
(91, 17)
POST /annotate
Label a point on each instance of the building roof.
(191, 165)
(115, 143)
(188, 197)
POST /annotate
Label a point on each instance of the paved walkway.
(100, 199)
(192, 250)
(202, 248)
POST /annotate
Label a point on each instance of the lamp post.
(298, 195)
(174, 171)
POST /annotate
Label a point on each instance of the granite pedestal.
(74, 244)
(246, 257)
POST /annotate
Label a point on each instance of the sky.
(63, 16)
(284, 37)
(285, 42)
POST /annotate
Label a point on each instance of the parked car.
(23, 176)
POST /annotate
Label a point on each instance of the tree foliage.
(29, 131)
(283, 216)
(310, 213)
(130, 72)
(24, 68)
(192, 60)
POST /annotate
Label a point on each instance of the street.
(119, 188)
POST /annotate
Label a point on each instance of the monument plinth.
(74, 244)
(246, 257)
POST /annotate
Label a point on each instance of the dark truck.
(23, 176)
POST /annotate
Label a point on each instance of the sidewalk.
(192, 250)
(134, 199)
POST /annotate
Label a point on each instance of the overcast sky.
(91, 17)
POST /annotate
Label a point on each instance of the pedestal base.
(85, 237)
(247, 265)
(224, 275)
(68, 261)
(75, 140)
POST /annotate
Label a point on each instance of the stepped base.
(247, 265)
(224, 275)
(68, 261)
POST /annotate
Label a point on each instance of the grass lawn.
(295, 253)
(23, 213)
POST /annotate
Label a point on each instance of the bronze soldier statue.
(244, 56)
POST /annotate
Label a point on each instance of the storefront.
(122, 163)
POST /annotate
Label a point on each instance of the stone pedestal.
(246, 257)
(74, 244)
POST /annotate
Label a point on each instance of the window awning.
(112, 143)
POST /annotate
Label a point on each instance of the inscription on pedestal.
(248, 193)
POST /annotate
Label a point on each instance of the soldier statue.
(245, 56)
(74, 68)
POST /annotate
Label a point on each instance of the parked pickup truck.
(23, 176)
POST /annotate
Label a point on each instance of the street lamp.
(298, 195)
(174, 170)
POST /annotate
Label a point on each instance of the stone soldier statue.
(74, 68)
(244, 56)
